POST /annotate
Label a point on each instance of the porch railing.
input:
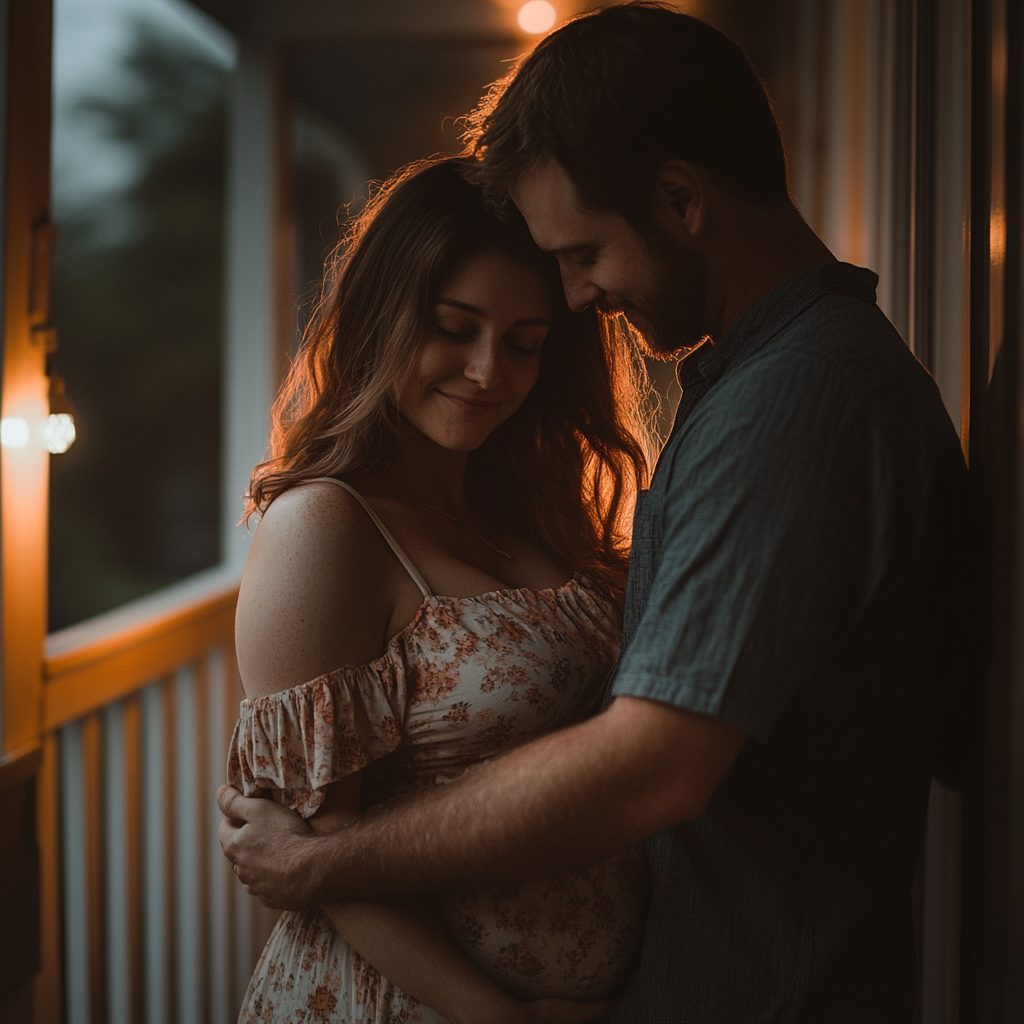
(143, 920)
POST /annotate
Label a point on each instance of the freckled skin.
(317, 560)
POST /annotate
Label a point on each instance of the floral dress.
(465, 680)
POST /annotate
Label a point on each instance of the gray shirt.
(799, 568)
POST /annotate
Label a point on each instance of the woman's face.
(481, 353)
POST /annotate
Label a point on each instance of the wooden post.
(24, 473)
(27, 253)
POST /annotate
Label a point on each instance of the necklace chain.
(454, 519)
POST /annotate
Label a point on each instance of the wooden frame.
(24, 477)
(24, 471)
(84, 678)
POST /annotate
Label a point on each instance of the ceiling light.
(537, 17)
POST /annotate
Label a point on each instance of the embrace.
(549, 736)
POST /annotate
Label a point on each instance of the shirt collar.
(772, 314)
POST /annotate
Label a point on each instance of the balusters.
(156, 928)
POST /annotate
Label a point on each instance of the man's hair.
(615, 93)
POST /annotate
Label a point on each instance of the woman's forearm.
(404, 941)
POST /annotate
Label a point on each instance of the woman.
(455, 431)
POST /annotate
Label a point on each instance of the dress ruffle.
(465, 680)
(298, 741)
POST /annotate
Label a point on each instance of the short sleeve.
(298, 741)
(772, 535)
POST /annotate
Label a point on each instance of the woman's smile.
(482, 355)
(473, 406)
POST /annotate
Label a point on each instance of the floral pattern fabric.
(467, 679)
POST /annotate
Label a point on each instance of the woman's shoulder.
(316, 506)
(320, 533)
(317, 592)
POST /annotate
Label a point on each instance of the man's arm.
(405, 942)
(558, 803)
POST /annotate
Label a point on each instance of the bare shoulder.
(317, 592)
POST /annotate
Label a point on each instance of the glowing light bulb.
(14, 432)
(58, 432)
(537, 17)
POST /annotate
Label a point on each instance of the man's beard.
(671, 321)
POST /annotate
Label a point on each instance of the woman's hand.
(266, 844)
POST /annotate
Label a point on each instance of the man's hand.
(270, 850)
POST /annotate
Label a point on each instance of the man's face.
(656, 283)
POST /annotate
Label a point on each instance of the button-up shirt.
(799, 569)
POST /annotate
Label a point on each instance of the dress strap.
(397, 548)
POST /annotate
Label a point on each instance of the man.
(799, 567)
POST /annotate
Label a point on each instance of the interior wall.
(994, 810)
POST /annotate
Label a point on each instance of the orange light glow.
(537, 17)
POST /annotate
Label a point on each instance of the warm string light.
(59, 427)
(537, 17)
(56, 433)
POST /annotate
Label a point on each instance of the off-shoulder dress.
(466, 679)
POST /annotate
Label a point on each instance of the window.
(138, 198)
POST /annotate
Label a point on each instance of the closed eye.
(455, 335)
(527, 343)
(577, 256)
(526, 350)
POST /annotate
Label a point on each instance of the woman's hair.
(567, 463)
(614, 94)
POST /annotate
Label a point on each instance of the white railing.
(141, 910)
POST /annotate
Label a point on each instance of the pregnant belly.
(576, 936)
